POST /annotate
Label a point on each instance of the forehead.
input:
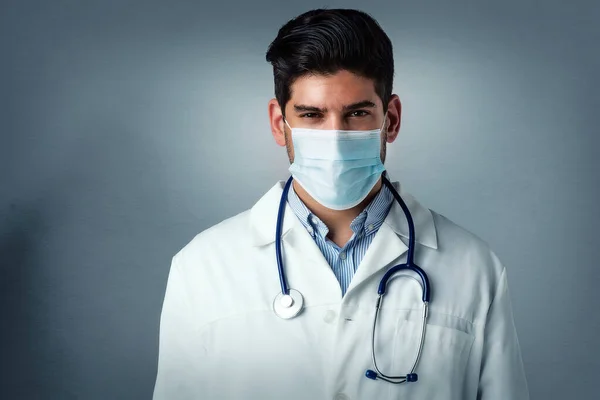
(333, 91)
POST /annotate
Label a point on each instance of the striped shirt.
(345, 260)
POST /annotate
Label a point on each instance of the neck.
(338, 221)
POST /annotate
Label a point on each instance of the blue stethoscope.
(289, 303)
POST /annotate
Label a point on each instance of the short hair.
(325, 41)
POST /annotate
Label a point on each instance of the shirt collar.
(263, 218)
(310, 221)
(369, 220)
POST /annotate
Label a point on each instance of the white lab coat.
(219, 337)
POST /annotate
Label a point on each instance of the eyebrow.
(349, 107)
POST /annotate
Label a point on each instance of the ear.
(276, 120)
(394, 115)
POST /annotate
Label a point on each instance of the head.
(333, 69)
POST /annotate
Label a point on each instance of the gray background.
(129, 126)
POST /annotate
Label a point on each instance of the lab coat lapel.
(383, 250)
(305, 266)
(307, 269)
(391, 240)
(263, 217)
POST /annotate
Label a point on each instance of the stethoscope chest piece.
(287, 306)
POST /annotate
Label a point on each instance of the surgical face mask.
(337, 168)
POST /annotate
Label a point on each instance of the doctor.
(224, 331)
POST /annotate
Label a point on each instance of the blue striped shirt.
(345, 260)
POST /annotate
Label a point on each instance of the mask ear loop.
(384, 121)
(285, 120)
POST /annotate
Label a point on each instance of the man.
(229, 328)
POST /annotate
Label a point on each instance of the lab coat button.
(329, 316)
(341, 396)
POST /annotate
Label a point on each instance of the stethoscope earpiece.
(398, 379)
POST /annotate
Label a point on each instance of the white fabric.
(219, 338)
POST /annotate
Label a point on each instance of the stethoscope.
(289, 303)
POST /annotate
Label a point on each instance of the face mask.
(337, 168)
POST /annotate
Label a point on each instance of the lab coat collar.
(425, 232)
(263, 218)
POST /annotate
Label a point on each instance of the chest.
(327, 349)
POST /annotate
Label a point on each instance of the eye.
(359, 113)
(309, 115)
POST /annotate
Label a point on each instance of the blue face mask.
(337, 168)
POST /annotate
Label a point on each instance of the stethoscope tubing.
(282, 203)
(409, 265)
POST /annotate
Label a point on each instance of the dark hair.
(326, 41)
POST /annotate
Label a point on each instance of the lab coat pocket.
(442, 366)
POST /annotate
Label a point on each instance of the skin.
(327, 98)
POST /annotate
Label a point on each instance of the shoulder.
(220, 238)
(458, 241)
(222, 247)
(466, 262)
(472, 257)
(450, 231)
